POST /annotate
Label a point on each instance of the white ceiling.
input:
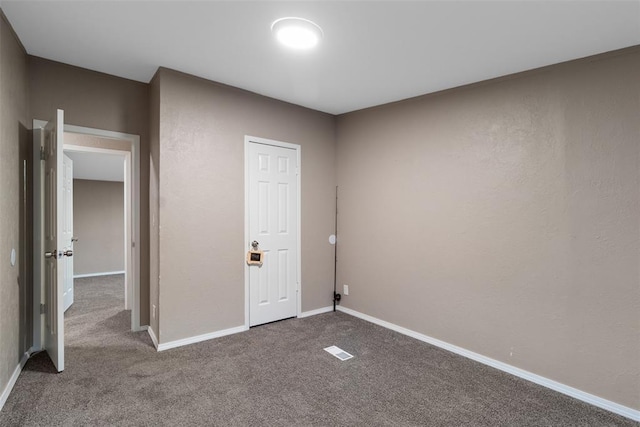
(372, 52)
(97, 166)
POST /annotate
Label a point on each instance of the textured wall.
(14, 138)
(98, 223)
(202, 248)
(504, 218)
(106, 102)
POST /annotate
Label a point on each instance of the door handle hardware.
(254, 245)
(68, 252)
(74, 239)
(52, 254)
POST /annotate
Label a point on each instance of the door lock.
(68, 252)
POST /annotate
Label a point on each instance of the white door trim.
(38, 231)
(134, 203)
(246, 245)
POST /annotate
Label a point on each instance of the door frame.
(134, 205)
(247, 244)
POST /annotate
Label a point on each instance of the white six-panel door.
(53, 241)
(273, 223)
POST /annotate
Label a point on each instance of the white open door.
(55, 251)
(67, 230)
(273, 224)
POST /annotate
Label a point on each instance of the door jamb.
(38, 231)
(134, 169)
(247, 244)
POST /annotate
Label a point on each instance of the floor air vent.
(338, 352)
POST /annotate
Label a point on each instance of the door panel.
(53, 244)
(273, 224)
(283, 274)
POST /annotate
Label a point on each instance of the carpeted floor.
(273, 375)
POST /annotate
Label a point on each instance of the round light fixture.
(297, 33)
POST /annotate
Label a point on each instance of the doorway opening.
(86, 141)
(100, 212)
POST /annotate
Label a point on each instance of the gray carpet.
(273, 375)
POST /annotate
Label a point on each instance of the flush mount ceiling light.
(297, 33)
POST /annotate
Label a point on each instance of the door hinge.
(43, 308)
(133, 244)
(43, 155)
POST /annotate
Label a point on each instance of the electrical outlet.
(345, 289)
(153, 310)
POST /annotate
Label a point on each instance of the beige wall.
(201, 200)
(504, 218)
(98, 224)
(15, 295)
(106, 102)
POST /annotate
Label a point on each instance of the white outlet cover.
(13, 257)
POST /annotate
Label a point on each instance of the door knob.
(255, 244)
(53, 254)
(68, 252)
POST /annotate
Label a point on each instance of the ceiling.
(372, 52)
(97, 166)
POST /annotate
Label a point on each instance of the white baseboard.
(153, 337)
(222, 333)
(14, 377)
(199, 338)
(316, 311)
(535, 378)
(104, 273)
